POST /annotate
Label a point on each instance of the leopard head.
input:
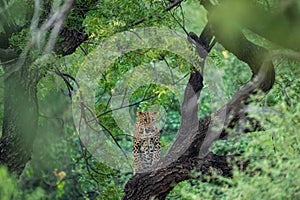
(147, 117)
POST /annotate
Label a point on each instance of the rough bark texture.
(20, 119)
(69, 40)
(159, 183)
(20, 109)
(166, 174)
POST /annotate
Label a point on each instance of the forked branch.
(190, 151)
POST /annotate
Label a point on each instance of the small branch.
(68, 84)
(87, 164)
(174, 4)
(95, 119)
(168, 8)
(126, 106)
(178, 22)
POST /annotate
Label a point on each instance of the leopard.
(146, 142)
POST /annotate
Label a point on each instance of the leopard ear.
(138, 113)
(155, 113)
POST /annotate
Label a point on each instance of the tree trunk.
(20, 119)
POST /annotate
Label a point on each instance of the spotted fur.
(146, 144)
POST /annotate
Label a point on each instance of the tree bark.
(196, 156)
(20, 118)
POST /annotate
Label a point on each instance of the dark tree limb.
(189, 110)
(69, 40)
(190, 150)
(181, 159)
(20, 121)
(162, 181)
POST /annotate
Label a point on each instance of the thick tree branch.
(181, 159)
(192, 146)
(20, 119)
(162, 181)
(189, 110)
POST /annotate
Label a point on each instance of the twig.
(129, 105)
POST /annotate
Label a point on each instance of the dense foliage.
(63, 168)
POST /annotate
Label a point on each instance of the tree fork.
(158, 183)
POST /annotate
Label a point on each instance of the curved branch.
(191, 146)
(159, 183)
